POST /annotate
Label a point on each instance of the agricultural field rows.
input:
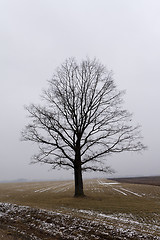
(110, 210)
(151, 180)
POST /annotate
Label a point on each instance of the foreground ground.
(111, 210)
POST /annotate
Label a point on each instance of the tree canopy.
(82, 120)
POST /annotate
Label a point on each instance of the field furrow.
(110, 210)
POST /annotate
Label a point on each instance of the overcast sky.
(36, 36)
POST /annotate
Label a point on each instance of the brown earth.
(11, 235)
(6, 235)
(151, 180)
(25, 223)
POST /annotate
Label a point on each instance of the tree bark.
(78, 174)
(78, 181)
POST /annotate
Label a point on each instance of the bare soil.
(110, 211)
(25, 223)
(151, 180)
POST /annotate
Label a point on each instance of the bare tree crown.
(82, 114)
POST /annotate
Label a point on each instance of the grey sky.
(36, 36)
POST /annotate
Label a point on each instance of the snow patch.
(80, 224)
(119, 191)
(109, 183)
(136, 194)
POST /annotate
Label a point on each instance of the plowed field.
(110, 210)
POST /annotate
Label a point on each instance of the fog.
(37, 36)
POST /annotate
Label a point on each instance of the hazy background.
(38, 35)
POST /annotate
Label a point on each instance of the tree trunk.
(78, 181)
(78, 175)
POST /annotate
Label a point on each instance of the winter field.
(110, 210)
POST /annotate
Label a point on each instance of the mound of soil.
(26, 223)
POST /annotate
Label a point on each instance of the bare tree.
(82, 121)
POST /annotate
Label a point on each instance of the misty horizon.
(36, 37)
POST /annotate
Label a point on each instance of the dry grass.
(53, 195)
(126, 203)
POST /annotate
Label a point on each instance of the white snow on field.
(136, 194)
(109, 183)
(58, 188)
(43, 189)
(123, 218)
(63, 187)
(119, 191)
(100, 224)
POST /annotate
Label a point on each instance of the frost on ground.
(120, 190)
(56, 189)
(35, 224)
